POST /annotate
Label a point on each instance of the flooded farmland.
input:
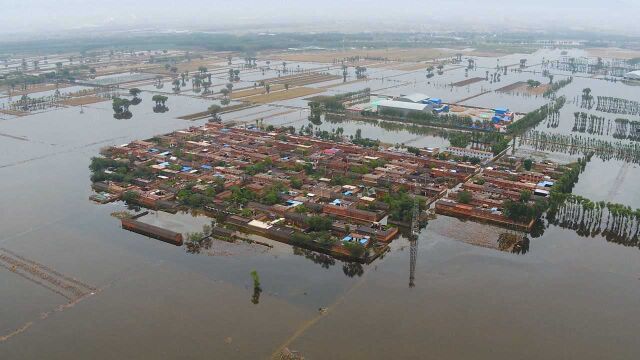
(452, 294)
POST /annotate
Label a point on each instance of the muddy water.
(567, 297)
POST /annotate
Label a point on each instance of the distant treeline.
(502, 42)
(253, 42)
(217, 42)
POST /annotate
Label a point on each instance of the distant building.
(430, 151)
(405, 108)
(416, 98)
(632, 75)
(462, 152)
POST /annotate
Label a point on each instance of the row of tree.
(533, 118)
(615, 222)
(577, 144)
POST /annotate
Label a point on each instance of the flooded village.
(258, 204)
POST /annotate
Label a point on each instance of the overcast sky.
(50, 16)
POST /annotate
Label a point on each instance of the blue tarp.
(336, 202)
(186, 168)
(165, 164)
(206, 167)
(501, 111)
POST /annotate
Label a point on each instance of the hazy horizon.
(33, 18)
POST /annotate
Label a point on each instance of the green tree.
(214, 110)
(464, 197)
(296, 183)
(319, 223)
(413, 150)
(460, 140)
(356, 250)
(135, 92)
(130, 197)
(533, 83)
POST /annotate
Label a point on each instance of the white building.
(632, 75)
(403, 107)
(416, 98)
(462, 152)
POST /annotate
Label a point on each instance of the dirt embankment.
(468, 81)
(84, 100)
(37, 88)
(521, 87)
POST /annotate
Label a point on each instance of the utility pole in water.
(413, 241)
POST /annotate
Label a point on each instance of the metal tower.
(413, 240)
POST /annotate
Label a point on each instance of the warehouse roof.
(414, 98)
(403, 105)
(633, 75)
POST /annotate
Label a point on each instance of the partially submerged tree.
(160, 103)
(214, 111)
(121, 108)
(135, 92)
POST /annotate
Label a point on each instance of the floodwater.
(566, 297)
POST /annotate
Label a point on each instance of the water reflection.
(324, 260)
(195, 247)
(394, 126)
(257, 290)
(160, 109)
(578, 145)
(514, 243)
(255, 298)
(621, 225)
(413, 257)
(352, 269)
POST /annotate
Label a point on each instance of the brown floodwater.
(566, 297)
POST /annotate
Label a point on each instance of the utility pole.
(413, 241)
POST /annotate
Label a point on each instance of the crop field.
(84, 100)
(521, 87)
(614, 53)
(113, 69)
(302, 79)
(14, 112)
(414, 54)
(283, 95)
(38, 88)
(252, 92)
